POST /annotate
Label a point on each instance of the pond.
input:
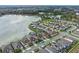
(14, 27)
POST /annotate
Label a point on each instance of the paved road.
(60, 35)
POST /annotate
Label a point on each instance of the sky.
(39, 2)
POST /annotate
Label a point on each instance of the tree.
(30, 44)
(18, 50)
(70, 32)
(0, 50)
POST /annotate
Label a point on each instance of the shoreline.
(12, 39)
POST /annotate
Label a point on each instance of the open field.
(75, 48)
(47, 21)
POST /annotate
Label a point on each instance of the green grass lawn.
(68, 49)
(34, 29)
(46, 21)
(75, 48)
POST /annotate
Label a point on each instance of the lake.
(14, 27)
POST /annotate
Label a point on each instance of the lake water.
(14, 27)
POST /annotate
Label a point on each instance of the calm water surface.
(14, 27)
